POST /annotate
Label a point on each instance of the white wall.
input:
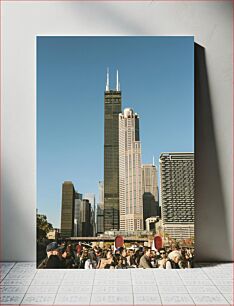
(211, 24)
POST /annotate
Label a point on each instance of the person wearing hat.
(54, 259)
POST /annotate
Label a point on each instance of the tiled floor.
(207, 284)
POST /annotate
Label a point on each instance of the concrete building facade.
(67, 212)
(130, 172)
(177, 194)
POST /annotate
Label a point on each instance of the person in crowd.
(188, 258)
(131, 259)
(161, 264)
(83, 258)
(69, 256)
(91, 262)
(123, 257)
(175, 251)
(145, 261)
(106, 261)
(153, 258)
(54, 259)
(174, 262)
(41, 251)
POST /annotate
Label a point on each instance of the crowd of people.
(82, 256)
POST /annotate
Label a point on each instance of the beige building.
(130, 172)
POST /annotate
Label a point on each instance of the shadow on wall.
(211, 228)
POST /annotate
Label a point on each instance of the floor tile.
(106, 282)
(109, 276)
(197, 282)
(79, 282)
(38, 298)
(13, 289)
(112, 289)
(225, 289)
(19, 276)
(3, 275)
(209, 299)
(11, 299)
(69, 276)
(5, 264)
(75, 289)
(45, 282)
(177, 299)
(25, 264)
(202, 289)
(43, 289)
(111, 299)
(222, 275)
(171, 289)
(4, 270)
(144, 289)
(169, 282)
(143, 281)
(195, 276)
(229, 297)
(149, 278)
(222, 282)
(49, 276)
(72, 299)
(147, 299)
(16, 282)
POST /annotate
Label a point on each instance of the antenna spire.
(117, 81)
(107, 80)
(153, 160)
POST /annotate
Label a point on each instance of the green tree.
(43, 226)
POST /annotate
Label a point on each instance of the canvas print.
(115, 152)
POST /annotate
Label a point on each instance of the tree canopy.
(43, 226)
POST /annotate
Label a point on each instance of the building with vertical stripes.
(150, 192)
(67, 213)
(177, 194)
(130, 172)
(112, 108)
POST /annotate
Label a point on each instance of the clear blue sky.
(157, 81)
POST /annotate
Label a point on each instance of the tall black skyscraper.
(112, 108)
(67, 213)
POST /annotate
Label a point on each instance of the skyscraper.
(91, 198)
(150, 192)
(112, 108)
(177, 194)
(77, 208)
(149, 180)
(101, 194)
(85, 218)
(67, 213)
(130, 172)
(100, 208)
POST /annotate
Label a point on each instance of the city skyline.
(179, 53)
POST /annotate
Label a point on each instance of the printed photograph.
(115, 152)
